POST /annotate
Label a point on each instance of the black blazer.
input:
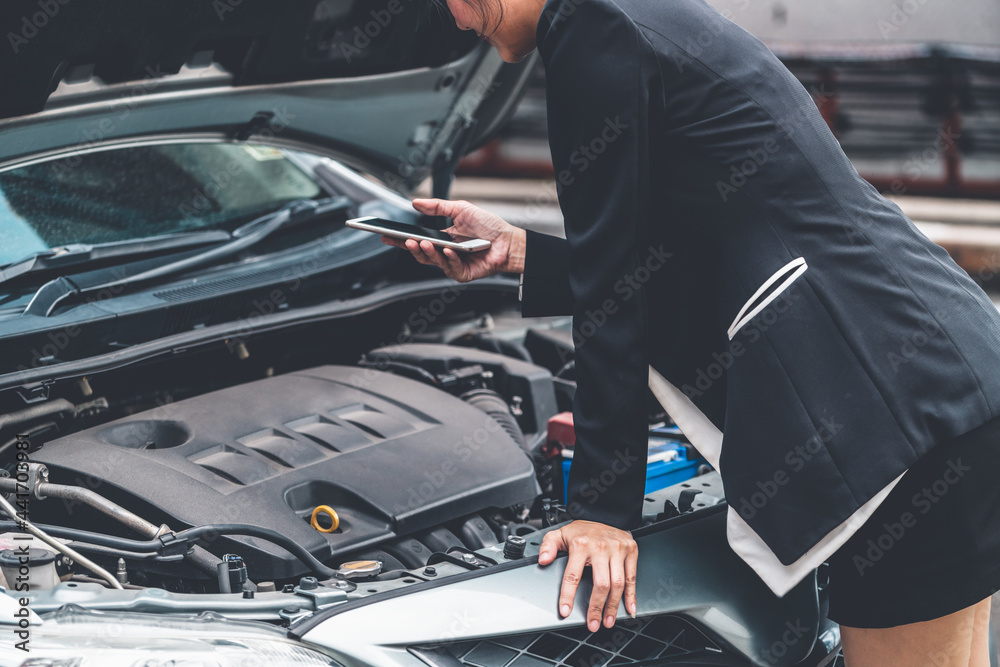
(716, 230)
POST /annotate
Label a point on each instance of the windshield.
(141, 191)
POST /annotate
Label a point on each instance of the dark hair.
(485, 8)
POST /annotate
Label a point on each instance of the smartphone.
(404, 230)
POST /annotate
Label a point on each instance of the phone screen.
(407, 228)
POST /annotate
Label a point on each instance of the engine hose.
(293, 547)
(120, 543)
(207, 531)
(58, 407)
(201, 559)
(58, 546)
(11, 422)
(110, 552)
(495, 406)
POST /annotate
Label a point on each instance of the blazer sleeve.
(599, 70)
(545, 281)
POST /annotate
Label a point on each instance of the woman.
(721, 248)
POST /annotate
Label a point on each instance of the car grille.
(629, 642)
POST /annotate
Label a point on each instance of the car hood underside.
(389, 85)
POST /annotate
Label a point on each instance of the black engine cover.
(390, 455)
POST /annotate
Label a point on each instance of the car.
(235, 431)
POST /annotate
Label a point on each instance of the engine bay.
(295, 478)
(245, 469)
(285, 471)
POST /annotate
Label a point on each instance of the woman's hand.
(505, 254)
(612, 555)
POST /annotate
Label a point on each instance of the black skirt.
(933, 546)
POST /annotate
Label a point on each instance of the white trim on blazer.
(707, 439)
(742, 317)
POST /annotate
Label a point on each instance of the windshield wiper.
(55, 291)
(83, 253)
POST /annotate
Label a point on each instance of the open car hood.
(389, 86)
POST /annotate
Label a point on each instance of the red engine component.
(560, 435)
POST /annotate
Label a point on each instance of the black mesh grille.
(629, 642)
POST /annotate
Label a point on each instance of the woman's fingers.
(415, 250)
(612, 555)
(599, 567)
(434, 256)
(631, 566)
(426, 206)
(552, 544)
(571, 581)
(617, 577)
(456, 268)
(468, 222)
(446, 207)
(425, 252)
